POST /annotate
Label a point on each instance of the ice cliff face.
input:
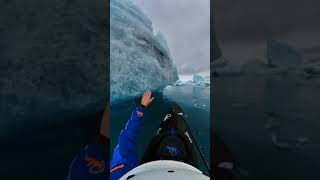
(52, 62)
(140, 59)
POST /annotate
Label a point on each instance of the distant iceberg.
(140, 59)
(280, 54)
(280, 59)
(201, 79)
(198, 79)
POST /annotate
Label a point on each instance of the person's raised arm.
(124, 156)
(128, 136)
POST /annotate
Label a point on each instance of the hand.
(146, 98)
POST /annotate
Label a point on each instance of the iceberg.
(280, 54)
(197, 78)
(201, 79)
(280, 59)
(52, 65)
(139, 58)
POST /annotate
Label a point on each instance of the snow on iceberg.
(140, 59)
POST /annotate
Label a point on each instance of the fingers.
(147, 93)
(147, 97)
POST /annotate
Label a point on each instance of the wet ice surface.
(271, 124)
(186, 96)
(139, 57)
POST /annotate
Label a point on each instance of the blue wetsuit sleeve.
(124, 157)
(90, 163)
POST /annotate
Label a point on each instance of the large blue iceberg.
(140, 59)
(53, 65)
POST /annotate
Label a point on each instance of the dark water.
(46, 152)
(271, 125)
(197, 116)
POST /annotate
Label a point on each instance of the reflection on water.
(271, 124)
(194, 100)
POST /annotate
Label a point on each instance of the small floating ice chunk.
(179, 83)
(200, 106)
(288, 144)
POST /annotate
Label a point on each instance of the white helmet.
(165, 170)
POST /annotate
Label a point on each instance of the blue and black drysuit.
(125, 156)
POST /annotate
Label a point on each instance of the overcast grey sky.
(186, 26)
(243, 27)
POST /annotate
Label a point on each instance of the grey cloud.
(242, 27)
(259, 19)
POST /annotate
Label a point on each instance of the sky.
(186, 26)
(242, 27)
